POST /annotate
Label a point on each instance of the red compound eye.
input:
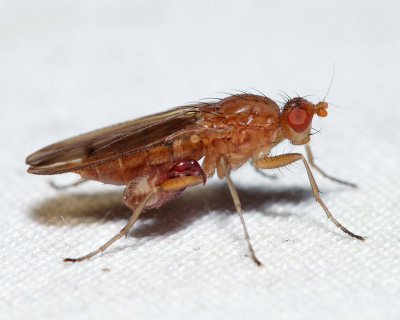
(298, 119)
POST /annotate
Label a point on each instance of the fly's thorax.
(296, 119)
(238, 127)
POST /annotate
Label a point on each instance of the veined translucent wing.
(116, 141)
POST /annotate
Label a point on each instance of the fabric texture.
(68, 67)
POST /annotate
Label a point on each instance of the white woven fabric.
(67, 67)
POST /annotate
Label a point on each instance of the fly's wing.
(115, 141)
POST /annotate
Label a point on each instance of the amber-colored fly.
(157, 157)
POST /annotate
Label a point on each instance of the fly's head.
(296, 119)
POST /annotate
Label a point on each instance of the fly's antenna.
(330, 84)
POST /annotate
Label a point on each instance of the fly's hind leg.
(312, 164)
(124, 231)
(266, 175)
(181, 176)
(67, 186)
(285, 159)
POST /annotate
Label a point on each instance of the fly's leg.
(224, 166)
(182, 175)
(124, 231)
(266, 175)
(285, 159)
(177, 184)
(269, 176)
(67, 186)
(312, 164)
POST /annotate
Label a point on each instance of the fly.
(157, 157)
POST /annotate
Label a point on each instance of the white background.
(67, 67)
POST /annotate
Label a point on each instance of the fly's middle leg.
(223, 168)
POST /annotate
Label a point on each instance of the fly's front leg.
(285, 159)
(269, 176)
(312, 164)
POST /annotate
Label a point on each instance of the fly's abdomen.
(122, 170)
